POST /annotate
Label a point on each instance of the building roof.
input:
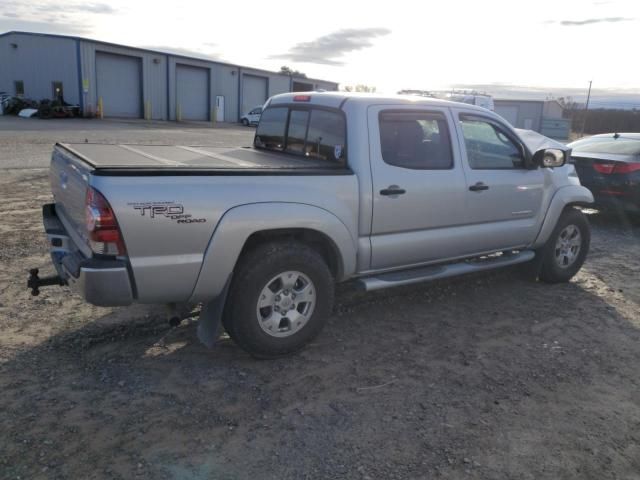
(518, 100)
(528, 100)
(160, 52)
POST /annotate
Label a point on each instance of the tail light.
(626, 167)
(104, 234)
(604, 168)
(616, 167)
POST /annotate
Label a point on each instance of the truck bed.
(125, 159)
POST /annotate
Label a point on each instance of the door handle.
(392, 190)
(478, 187)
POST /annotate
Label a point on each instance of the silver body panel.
(186, 212)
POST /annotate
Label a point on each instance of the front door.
(503, 198)
(219, 108)
(419, 189)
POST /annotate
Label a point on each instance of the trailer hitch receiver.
(35, 282)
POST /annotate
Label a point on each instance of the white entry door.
(220, 108)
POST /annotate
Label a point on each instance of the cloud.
(590, 21)
(328, 49)
(72, 18)
(45, 11)
(43, 27)
(100, 8)
(73, 8)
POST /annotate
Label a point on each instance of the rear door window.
(415, 140)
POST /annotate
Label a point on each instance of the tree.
(360, 88)
(289, 71)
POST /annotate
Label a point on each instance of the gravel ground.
(483, 377)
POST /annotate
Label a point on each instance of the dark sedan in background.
(609, 166)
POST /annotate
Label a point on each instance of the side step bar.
(434, 272)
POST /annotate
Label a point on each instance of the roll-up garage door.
(119, 84)
(192, 92)
(254, 92)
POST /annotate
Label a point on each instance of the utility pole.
(586, 109)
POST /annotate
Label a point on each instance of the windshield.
(621, 145)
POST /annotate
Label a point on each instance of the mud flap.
(210, 320)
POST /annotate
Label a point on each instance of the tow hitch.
(35, 282)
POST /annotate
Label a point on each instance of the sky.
(552, 45)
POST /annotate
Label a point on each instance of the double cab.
(382, 191)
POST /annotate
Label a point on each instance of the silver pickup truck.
(385, 191)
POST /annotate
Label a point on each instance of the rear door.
(418, 186)
(503, 198)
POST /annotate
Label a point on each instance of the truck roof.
(338, 99)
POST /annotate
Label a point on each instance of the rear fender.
(568, 195)
(239, 223)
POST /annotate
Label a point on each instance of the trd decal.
(171, 210)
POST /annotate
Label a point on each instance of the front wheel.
(280, 298)
(567, 247)
(245, 122)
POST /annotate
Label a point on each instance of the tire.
(271, 283)
(245, 122)
(567, 247)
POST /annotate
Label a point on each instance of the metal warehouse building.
(132, 82)
(544, 116)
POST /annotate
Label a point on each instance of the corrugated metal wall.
(226, 82)
(38, 67)
(558, 128)
(254, 91)
(41, 59)
(529, 113)
(154, 78)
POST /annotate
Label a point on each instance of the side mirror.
(549, 158)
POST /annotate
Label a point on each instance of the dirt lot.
(490, 377)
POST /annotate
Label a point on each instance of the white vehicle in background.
(480, 100)
(251, 118)
(465, 96)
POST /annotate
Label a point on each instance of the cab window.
(415, 140)
(271, 130)
(308, 132)
(488, 146)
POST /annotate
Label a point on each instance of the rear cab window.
(310, 132)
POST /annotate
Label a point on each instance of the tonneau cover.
(127, 159)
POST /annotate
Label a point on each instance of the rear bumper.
(103, 282)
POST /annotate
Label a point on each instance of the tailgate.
(69, 178)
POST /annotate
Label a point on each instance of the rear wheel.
(280, 297)
(567, 247)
